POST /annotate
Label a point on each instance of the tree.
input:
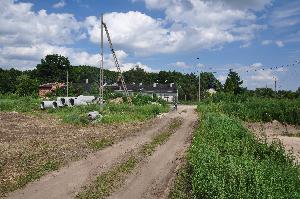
(53, 69)
(137, 75)
(265, 92)
(26, 86)
(8, 79)
(233, 83)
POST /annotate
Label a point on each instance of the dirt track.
(149, 180)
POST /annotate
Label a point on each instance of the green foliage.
(26, 86)
(125, 113)
(227, 161)
(182, 188)
(19, 104)
(257, 109)
(8, 80)
(53, 69)
(233, 83)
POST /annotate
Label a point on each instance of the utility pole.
(275, 84)
(101, 88)
(67, 83)
(199, 86)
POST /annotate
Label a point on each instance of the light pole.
(199, 86)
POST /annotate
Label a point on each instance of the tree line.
(53, 68)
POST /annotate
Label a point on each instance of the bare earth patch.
(289, 135)
(30, 146)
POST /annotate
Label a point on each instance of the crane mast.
(103, 25)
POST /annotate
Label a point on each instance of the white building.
(167, 92)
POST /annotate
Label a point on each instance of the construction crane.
(103, 25)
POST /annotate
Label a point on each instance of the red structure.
(49, 88)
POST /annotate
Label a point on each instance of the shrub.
(226, 161)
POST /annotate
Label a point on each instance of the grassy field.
(34, 142)
(226, 160)
(113, 113)
(258, 109)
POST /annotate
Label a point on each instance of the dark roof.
(157, 88)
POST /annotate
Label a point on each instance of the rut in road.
(66, 182)
(152, 178)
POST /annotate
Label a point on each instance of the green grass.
(120, 113)
(182, 186)
(260, 109)
(113, 113)
(100, 144)
(19, 104)
(104, 183)
(227, 161)
(103, 186)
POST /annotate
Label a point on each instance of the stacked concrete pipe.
(47, 104)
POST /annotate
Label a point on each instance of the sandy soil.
(152, 178)
(27, 142)
(289, 135)
(66, 182)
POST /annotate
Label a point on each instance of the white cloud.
(286, 15)
(263, 75)
(136, 31)
(59, 4)
(235, 4)
(279, 43)
(19, 25)
(266, 42)
(222, 78)
(180, 64)
(188, 24)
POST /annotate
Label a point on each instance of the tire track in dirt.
(68, 180)
(152, 178)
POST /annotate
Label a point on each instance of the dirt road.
(151, 178)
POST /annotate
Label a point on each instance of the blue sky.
(159, 35)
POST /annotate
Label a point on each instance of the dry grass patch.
(31, 146)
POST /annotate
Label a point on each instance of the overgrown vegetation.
(110, 180)
(256, 109)
(226, 160)
(113, 113)
(19, 104)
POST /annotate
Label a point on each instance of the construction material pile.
(69, 101)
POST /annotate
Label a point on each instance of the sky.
(253, 37)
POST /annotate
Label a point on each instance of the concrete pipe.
(87, 99)
(46, 104)
(92, 115)
(65, 101)
(77, 102)
(57, 104)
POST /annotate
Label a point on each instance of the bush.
(226, 161)
(258, 109)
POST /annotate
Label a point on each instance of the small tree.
(26, 86)
(233, 83)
